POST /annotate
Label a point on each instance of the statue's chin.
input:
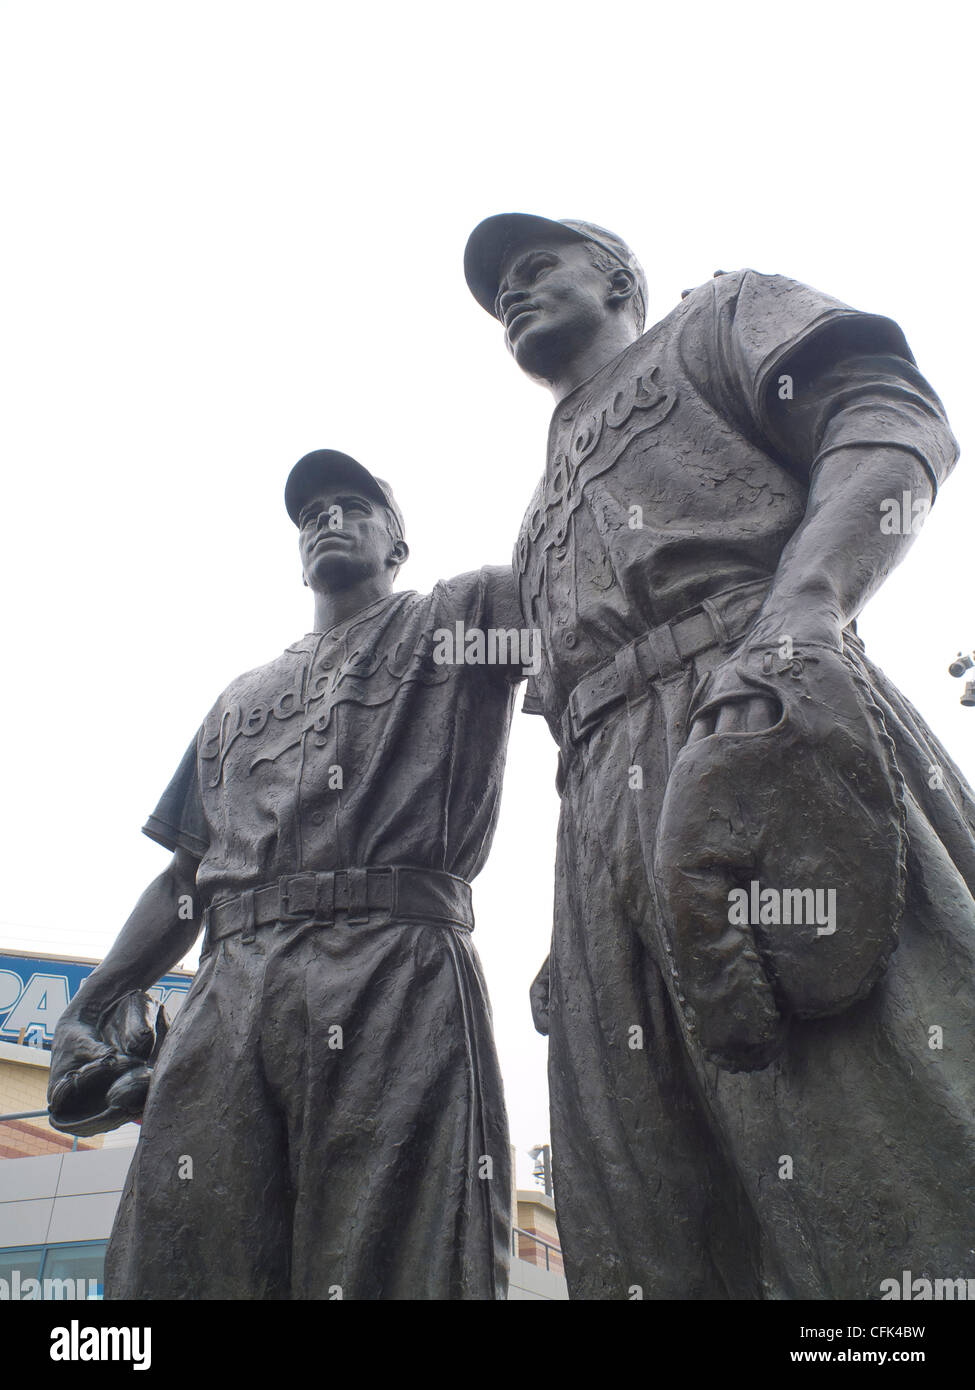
(539, 354)
(331, 578)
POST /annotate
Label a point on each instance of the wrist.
(82, 1011)
(794, 625)
(91, 1003)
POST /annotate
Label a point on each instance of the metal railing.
(548, 1245)
(34, 1115)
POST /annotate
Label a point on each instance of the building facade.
(59, 1195)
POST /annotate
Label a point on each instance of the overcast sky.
(234, 232)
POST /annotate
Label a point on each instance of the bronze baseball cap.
(331, 466)
(496, 237)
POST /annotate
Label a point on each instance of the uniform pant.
(848, 1160)
(326, 1121)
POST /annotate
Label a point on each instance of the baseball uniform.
(675, 477)
(332, 1077)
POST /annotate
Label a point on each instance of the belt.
(401, 892)
(660, 652)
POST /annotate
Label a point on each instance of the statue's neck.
(338, 605)
(612, 339)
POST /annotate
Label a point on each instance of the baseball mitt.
(780, 858)
(110, 1090)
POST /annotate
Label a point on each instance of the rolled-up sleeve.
(878, 401)
(809, 376)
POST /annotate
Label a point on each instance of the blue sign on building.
(35, 991)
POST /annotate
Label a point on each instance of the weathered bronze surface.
(325, 1119)
(759, 996)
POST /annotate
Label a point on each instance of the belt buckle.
(574, 720)
(292, 910)
(247, 913)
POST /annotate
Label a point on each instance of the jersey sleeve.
(876, 400)
(486, 602)
(179, 821)
(532, 703)
(806, 374)
(501, 606)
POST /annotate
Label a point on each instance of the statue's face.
(343, 538)
(551, 300)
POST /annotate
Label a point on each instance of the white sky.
(233, 232)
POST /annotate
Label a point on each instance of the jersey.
(351, 1070)
(356, 746)
(681, 469)
(676, 473)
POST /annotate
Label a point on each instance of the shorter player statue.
(325, 1117)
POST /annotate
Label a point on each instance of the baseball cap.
(496, 237)
(331, 466)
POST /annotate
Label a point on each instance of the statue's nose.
(509, 298)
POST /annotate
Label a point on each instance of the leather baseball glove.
(780, 858)
(100, 1080)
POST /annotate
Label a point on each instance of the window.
(53, 1272)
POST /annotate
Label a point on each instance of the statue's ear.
(622, 286)
(400, 553)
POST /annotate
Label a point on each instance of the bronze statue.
(759, 997)
(325, 1119)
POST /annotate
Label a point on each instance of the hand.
(83, 1069)
(744, 711)
(77, 1044)
(744, 715)
(100, 1074)
(539, 996)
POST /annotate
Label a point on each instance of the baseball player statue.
(325, 1118)
(759, 997)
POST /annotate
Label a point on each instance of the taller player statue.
(760, 1004)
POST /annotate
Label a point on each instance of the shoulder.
(265, 678)
(699, 311)
(758, 319)
(467, 593)
(723, 288)
(748, 288)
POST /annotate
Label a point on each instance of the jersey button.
(317, 818)
(570, 639)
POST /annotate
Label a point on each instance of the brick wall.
(24, 1087)
(537, 1219)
